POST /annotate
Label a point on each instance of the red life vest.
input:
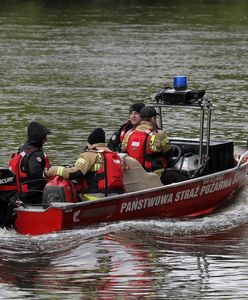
(124, 129)
(122, 134)
(138, 147)
(15, 166)
(107, 176)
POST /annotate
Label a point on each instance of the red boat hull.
(190, 198)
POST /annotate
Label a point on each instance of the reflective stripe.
(90, 197)
(96, 167)
(100, 157)
(98, 164)
(117, 161)
(125, 140)
(165, 141)
(152, 139)
(148, 131)
(23, 153)
(159, 171)
(123, 132)
(135, 144)
(60, 171)
(80, 161)
(151, 144)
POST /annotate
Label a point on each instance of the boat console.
(220, 156)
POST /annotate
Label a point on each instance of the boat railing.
(204, 106)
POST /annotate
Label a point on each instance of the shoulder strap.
(148, 133)
(105, 173)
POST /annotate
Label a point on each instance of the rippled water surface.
(77, 65)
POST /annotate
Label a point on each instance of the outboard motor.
(59, 189)
(8, 192)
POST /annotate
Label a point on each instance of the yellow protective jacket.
(84, 163)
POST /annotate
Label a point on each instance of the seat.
(135, 177)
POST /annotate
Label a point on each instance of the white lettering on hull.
(208, 186)
(240, 176)
(215, 186)
(146, 203)
(187, 194)
(75, 216)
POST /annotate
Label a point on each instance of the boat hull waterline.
(191, 198)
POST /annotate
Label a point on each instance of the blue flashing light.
(180, 83)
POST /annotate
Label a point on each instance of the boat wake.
(227, 218)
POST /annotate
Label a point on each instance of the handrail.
(204, 105)
(241, 158)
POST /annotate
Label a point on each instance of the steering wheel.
(176, 155)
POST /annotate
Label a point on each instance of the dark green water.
(77, 65)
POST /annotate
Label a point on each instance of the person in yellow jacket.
(101, 168)
(149, 145)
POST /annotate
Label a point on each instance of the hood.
(37, 133)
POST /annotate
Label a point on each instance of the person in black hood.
(29, 163)
(37, 134)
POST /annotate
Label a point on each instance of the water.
(78, 65)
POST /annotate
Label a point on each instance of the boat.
(212, 170)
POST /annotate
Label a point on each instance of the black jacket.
(33, 164)
(114, 143)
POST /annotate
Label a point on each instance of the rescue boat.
(212, 170)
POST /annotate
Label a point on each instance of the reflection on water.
(111, 262)
(78, 65)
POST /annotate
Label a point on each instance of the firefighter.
(29, 162)
(149, 145)
(101, 168)
(134, 120)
